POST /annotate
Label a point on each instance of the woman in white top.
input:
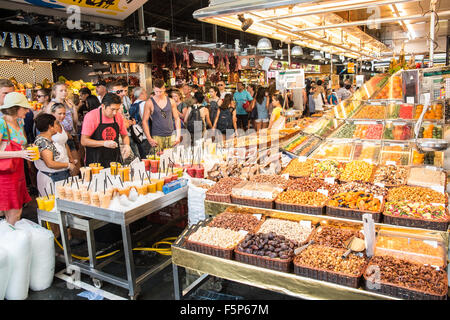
(318, 97)
(60, 138)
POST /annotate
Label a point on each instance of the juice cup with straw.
(69, 193)
(142, 189)
(124, 190)
(146, 164)
(151, 187)
(86, 173)
(85, 196)
(95, 199)
(174, 177)
(124, 173)
(49, 203)
(92, 165)
(114, 167)
(105, 199)
(36, 152)
(40, 201)
(61, 191)
(77, 195)
(154, 164)
(159, 184)
(96, 170)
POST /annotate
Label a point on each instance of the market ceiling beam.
(338, 8)
(380, 20)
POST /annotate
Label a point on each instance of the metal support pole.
(432, 22)
(214, 33)
(289, 55)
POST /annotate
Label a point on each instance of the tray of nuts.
(266, 250)
(326, 264)
(221, 191)
(390, 175)
(297, 168)
(312, 184)
(357, 170)
(302, 202)
(404, 279)
(417, 194)
(352, 205)
(335, 237)
(236, 221)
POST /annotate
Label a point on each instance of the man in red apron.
(101, 130)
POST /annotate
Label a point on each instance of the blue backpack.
(134, 111)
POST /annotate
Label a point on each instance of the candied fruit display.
(392, 90)
(371, 112)
(368, 131)
(368, 152)
(327, 169)
(400, 111)
(333, 151)
(434, 112)
(397, 131)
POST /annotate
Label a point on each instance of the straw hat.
(15, 99)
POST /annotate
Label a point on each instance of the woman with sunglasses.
(43, 97)
(222, 91)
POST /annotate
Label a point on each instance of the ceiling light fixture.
(297, 51)
(264, 44)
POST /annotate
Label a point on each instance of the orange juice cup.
(85, 197)
(124, 173)
(142, 190)
(36, 152)
(40, 202)
(95, 199)
(92, 165)
(49, 204)
(151, 187)
(114, 166)
(105, 199)
(96, 170)
(159, 184)
(124, 190)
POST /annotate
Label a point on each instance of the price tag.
(243, 232)
(432, 243)
(431, 168)
(305, 224)
(323, 191)
(410, 100)
(393, 163)
(330, 180)
(437, 204)
(285, 175)
(302, 159)
(381, 185)
(440, 189)
(258, 216)
(379, 198)
(368, 160)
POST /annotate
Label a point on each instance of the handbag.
(247, 106)
(10, 165)
(137, 133)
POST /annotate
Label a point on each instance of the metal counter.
(124, 219)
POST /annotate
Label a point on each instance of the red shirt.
(92, 120)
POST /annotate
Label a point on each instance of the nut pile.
(299, 169)
(391, 175)
(268, 244)
(407, 274)
(218, 237)
(271, 179)
(224, 186)
(312, 184)
(330, 259)
(357, 170)
(368, 187)
(291, 230)
(235, 221)
(309, 198)
(417, 194)
(334, 237)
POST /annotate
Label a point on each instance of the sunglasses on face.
(117, 91)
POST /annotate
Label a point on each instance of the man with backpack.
(137, 112)
(197, 117)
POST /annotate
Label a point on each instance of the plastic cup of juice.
(77, 195)
(114, 166)
(95, 199)
(154, 164)
(124, 173)
(49, 204)
(61, 192)
(142, 189)
(96, 170)
(200, 172)
(85, 197)
(191, 171)
(92, 165)
(167, 179)
(36, 152)
(151, 187)
(147, 164)
(69, 193)
(105, 199)
(124, 190)
(159, 184)
(86, 173)
(40, 202)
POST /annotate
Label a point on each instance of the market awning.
(111, 9)
(282, 19)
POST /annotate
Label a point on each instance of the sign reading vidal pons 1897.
(17, 44)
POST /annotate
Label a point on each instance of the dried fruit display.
(371, 112)
(430, 131)
(295, 143)
(392, 90)
(418, 210)
(398, 154)
(367, 151)
(357, 170)
(298, 168)
(416, 194)
(335, 237)
(368, 131)
(330, 259)
(333, 151)
(271, 179)
(366, 187)
(356, 200)
(400, 111)
(435, 112)
(268, 245)
(309, 198)
(327, 169)
(409, 275)
(307, 147)
(391, 175)
(395, 131)
(346, 132)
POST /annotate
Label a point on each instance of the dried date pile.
(330, 259)
(224, 186)
(334, 237)
(268, 245)
(410, 275)
(235, 221)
